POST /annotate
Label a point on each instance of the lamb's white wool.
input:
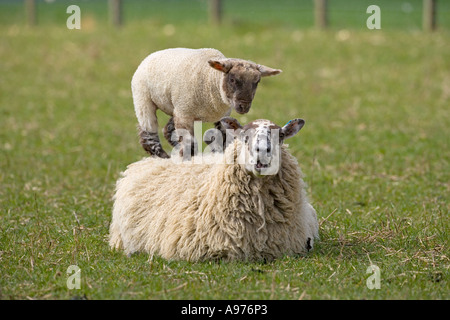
(182, 78)
(214, 210)
(190, 85)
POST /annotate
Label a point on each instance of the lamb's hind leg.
(150, 142)
(148, 124)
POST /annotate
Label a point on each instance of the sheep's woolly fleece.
(169, 79)
(200, 212)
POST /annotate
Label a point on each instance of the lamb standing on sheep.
(226, 210)
(190, 85)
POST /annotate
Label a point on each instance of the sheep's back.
(182, 79)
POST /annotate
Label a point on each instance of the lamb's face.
(240, 85)
(241, 79)
(262, 142)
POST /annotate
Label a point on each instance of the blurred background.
(398, 14)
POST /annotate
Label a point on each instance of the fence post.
(30, 10)
(215, 11)
(320, 14)
(429, 15)
(115, 12)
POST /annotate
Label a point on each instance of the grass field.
(374, 150)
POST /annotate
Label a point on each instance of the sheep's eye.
(232, 80)
(246, 139)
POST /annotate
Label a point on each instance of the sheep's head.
(241, 79)
(262, 140)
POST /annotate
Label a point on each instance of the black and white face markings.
(263, 140)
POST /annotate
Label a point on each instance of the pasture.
(374, 151)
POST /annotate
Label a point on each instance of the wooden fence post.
(30, 10)
(429, 15)
(320, 14)
(115, 12)
(215, 11)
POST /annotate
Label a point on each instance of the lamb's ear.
(291, 128)
(266, 71)
(223, 65)
(230, 123)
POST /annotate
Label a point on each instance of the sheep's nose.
(243, 107)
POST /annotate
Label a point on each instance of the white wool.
(180, 82)
(204, 211)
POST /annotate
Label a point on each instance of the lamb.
(189, 85)
(223, 208)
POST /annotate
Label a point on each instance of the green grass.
(375, 153)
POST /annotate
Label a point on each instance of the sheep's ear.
(230, 123)
(223, 65)
(291, 128)
(266, 71)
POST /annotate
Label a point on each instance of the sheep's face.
(262, 147)
(262, 141)
(240, 81)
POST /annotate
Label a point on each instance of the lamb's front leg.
(182, 135)
(168, 131)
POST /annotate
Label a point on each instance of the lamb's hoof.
(158, 153)
(186, 152)
(163, 155)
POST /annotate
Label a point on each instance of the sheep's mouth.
(264, 168)
(259, 165)
(261, 170)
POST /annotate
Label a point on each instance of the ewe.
(248, 203)
(190, 85)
